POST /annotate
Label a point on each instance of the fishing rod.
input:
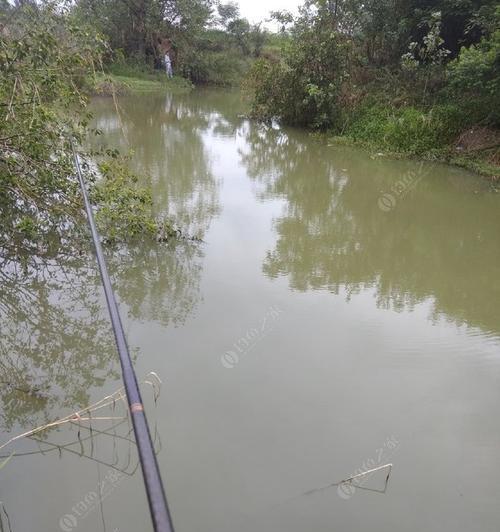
(158, 507)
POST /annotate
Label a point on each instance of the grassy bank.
(124, 79)
(442, 132)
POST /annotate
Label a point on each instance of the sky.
(258, 10)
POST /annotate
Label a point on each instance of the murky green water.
(342, 313)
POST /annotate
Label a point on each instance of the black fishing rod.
(158, 507)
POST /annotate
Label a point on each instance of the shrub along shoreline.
(424, 83)
(438, 134)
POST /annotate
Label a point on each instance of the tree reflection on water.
(332, 234)
(56, 341)
(166, 133)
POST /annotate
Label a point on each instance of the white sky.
(258, 10)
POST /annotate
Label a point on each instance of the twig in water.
(4, 463)
(6, 515)
(350, 479)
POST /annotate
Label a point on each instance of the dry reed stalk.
(85, 413)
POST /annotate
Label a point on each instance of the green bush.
(406, 130)
(303, 87)
(125, 209)
(475, 74)
(44, 59)
(215, 67)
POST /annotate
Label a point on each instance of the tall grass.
(405, 130)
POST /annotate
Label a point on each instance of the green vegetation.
(45, 59)
(133, 81)
(124, 209)
(406, 77)
(406, 129)
(208, 41)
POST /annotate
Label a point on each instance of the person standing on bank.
(168, 65)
